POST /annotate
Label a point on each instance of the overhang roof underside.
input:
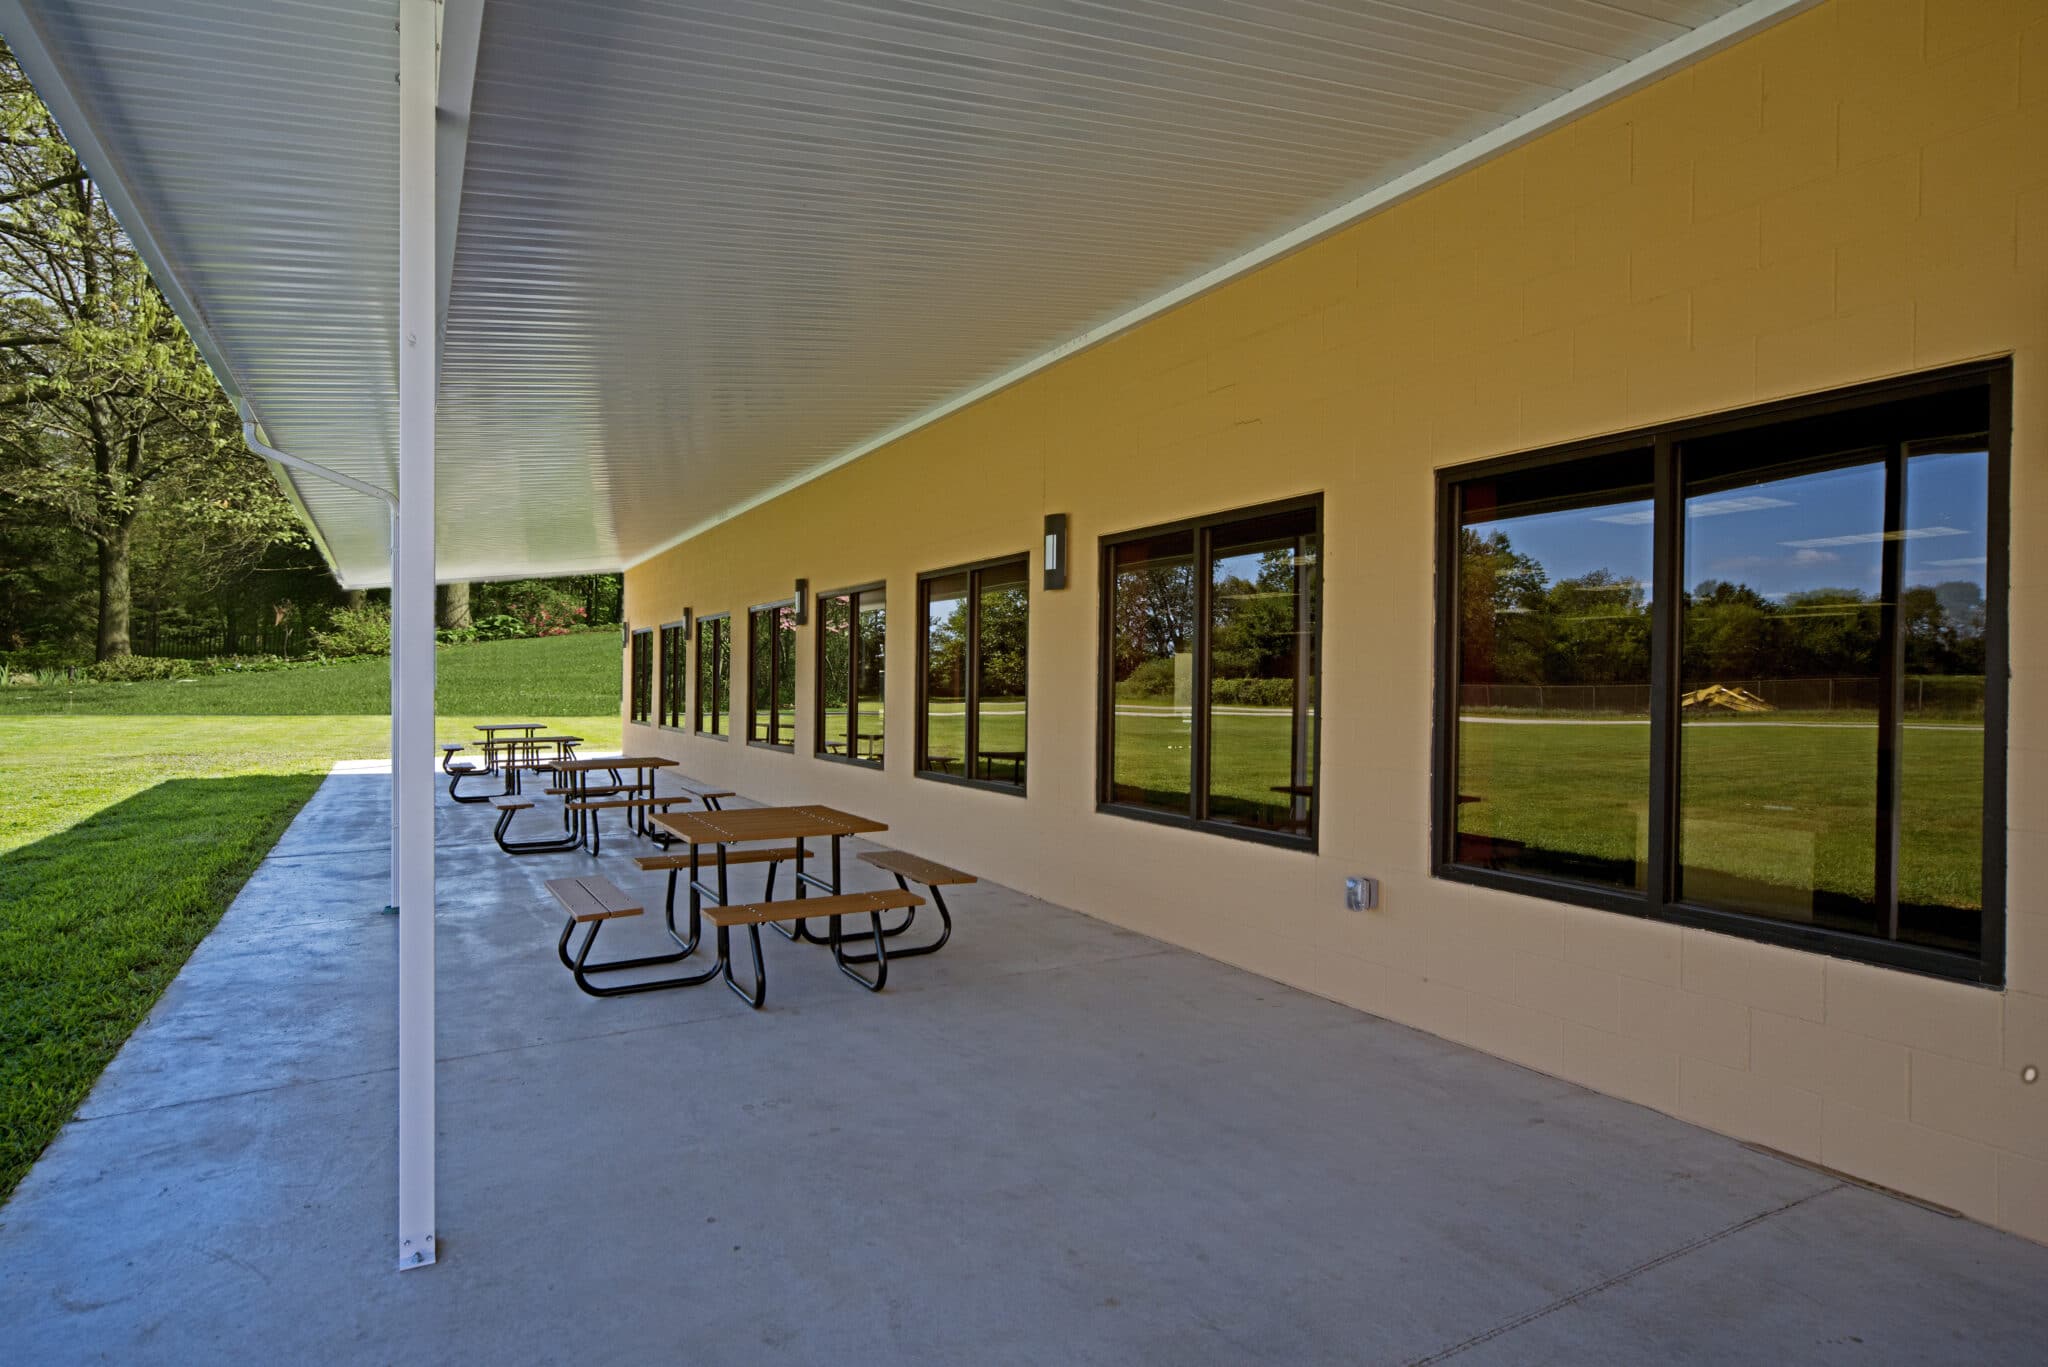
(707, 249)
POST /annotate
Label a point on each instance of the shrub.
(356, 631)
(140, 669)
(1253, 692)
(498, 626)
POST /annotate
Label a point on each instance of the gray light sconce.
(1055, 550)
(802, 614)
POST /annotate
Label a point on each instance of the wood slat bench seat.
(925, 872)
(510, 804)
(803, 908)
(591, 898)
(601, 804)
(928, 874)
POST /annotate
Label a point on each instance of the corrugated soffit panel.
(706, 249)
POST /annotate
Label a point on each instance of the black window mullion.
(971, 723)
(1890, 689)
(1666, 635)
(1198, 690)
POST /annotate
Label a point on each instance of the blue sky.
(1779, 537)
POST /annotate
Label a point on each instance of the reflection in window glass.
(674, 670)
(945, 674)
(771, 675)
(1004, 615)
(852, 631)
(1778, 678)
(1553, 729)
(1262, 671)
(1941, 740)
(642, 662)
(1152, 670)
(871, 635)
(714, 676)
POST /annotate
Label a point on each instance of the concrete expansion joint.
(1626, 1275)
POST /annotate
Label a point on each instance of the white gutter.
(259, 447)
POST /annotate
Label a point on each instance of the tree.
(451, 607)
(107, 410)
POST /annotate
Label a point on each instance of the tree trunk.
(353, 599)
(451, 607)
(114, 599)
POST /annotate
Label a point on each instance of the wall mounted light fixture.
(1055, 550)
(803, 602)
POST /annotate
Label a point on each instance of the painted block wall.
(1858, 192)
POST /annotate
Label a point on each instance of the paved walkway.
(1056, 1142)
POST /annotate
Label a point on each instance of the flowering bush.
(356, 631)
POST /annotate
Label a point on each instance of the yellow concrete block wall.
(1858, 192)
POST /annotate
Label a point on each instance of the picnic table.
(723, 829)
(581, 802)
(514, 753)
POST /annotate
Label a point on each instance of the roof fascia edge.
(1711, 37)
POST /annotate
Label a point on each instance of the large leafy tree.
(108, 414)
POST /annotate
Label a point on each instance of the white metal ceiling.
(706, 249)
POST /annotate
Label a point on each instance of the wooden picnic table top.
(764, 823)
(578, 766)
(528, 726)
(1005, 754)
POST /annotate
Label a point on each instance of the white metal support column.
(412, 639)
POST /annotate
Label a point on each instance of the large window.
(973, 633)
(714, 676)
(771, 675)
(852, 631)
(641, 658)
(1745, 673)
(1210, 653)
(675, 671)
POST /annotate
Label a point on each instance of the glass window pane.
(1553, 730)
(760, 673)
(721, 715)
(707, 675)
(1004, 608)
(783, 719)
(871, 610)
(1152, 671)
(835, 651)
(1941, 744)
(1778, 677)
(945, 674)
(1262, 672)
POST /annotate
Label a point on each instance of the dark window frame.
(1195, 818)
(640, 676)
(722, 622)
(853, 674)
(972, 728)
(672, 673)
(1659, 902)
(787, 746)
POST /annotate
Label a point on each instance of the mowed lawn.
(133, 814)
(1788, 804)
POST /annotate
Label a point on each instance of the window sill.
(829, 758)
(1909, 958)
(989, 785)
(1301, 844)
(788, 749)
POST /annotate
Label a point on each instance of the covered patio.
(1057, 1141)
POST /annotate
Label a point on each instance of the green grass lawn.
(135, 812)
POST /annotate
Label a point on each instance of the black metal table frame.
(836, 941)
(801, 930)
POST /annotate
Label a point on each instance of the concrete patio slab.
(1055, 1142)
